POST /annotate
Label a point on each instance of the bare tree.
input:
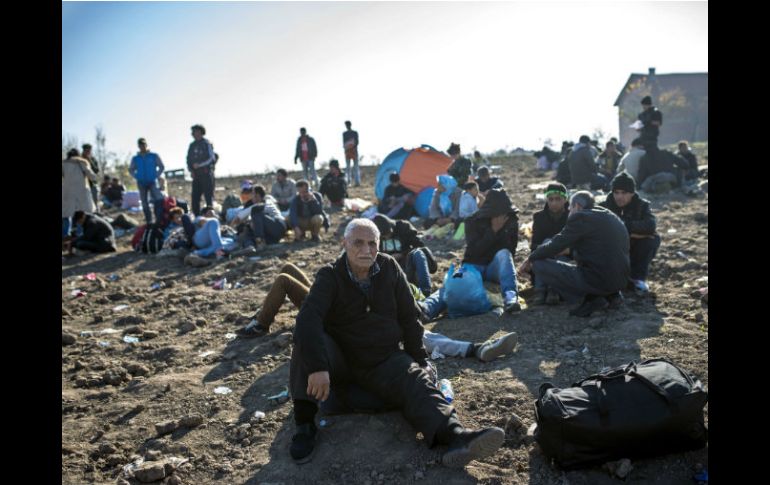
(101, 148)
(68, 141)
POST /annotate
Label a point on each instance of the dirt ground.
(155, 400)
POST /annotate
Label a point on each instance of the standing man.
(200, 163)
(146, 167)
(87, 154)
(350, 143)
(651, 120)
(306, 152)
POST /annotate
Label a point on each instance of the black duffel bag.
(632, 411)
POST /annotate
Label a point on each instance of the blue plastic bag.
(445, 202)
(464, 292)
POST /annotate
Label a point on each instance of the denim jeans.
(265, 227)
(65, 226)
(157, 200)
(418, 270)
(444, 344)
(308, 169)
(501, 270)
(355, 175)
(208, 239)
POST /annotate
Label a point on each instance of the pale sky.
(486, 75)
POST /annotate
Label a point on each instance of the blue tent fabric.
(422, 202)
(392, 163)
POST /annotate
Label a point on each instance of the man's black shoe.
(303, 443)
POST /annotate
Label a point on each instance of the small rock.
(166, 427)
(191, 421)
(418, 475)
(150, 472)
(122, 482)
(174, 480)
(107, 448)
(245, 442)
(138, 370)
(201, 322)
(97, 319)
(149, 334)
(187, 327)
(624, 468)
(67, 338)
(226, 468)
(130, 320)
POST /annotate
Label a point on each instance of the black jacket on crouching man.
(98, 235)
(355, 336)
(600, 245)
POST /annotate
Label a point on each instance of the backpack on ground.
(152, 239)
(632, 411)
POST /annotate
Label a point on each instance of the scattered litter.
(324, 423)
(301, 264)
(102, 343)
(130, 339)
(108, 331)
(128, 470)
(255, 258)
(259, 415)
(703, 280)
(230, 336)
(113, 277)
(585, 351)
(671, 231)
(119, 232)
(279, 398)
(87, 333)
(670, 340)
(238, 284)
(539, 196)
(119, 308)
(157, 286)
(538, 186)
(221, 284)
(206, 353)
(90, 276)
(222, 390)
(77, 293)
(681, 254)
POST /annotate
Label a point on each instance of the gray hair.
(361, 222)
(583, 198)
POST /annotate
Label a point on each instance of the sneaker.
(472, 445)
(589, 306)
(552, 298)
(511, 302)
(247, 251)
(253, 329)
(303, 443)
(492, 349)
(641, 286)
